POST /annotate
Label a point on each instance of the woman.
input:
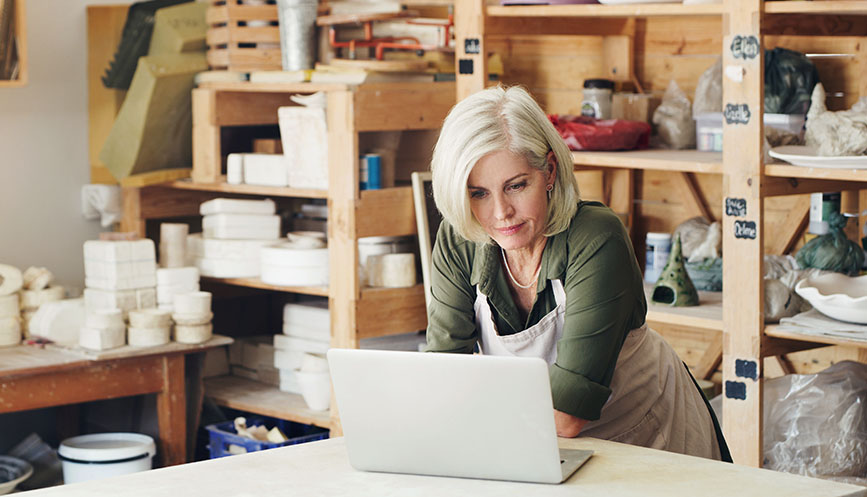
(522, 267)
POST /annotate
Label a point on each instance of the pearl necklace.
(509, 272)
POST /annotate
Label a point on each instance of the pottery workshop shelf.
(268, 191)
(321, 291)
(691, 161)
(593, 10)
(252, 396)
(708, 315)
(788, 171)
(776, 332)
(805, 7)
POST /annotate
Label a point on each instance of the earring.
(548, 189)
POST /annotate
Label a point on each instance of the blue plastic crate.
(222, 435)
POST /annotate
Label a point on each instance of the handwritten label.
(736, 390)
(472, 45)
(736, 207)
(745, 47)
(737, 113)
(746, 230)
(746, 369)
(465, 66)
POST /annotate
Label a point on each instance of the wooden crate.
(243, 35)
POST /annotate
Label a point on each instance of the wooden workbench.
(34, 378)
(322, 468)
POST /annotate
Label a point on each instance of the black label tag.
(465, 66)
(736, 207)
(745, 47)
(746, 230)
(746, 369)
(472, 45)
(737, 113)
(736, 390)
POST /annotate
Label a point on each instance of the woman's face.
(509, 199)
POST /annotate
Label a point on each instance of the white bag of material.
(304, 136)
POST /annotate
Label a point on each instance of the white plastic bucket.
(100, 455)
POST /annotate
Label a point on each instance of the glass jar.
(597, 98)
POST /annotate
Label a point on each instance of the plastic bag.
(708, 92)
(588, 133)
(700, 238)
(673, 119)
(832, 251)
(816, 425)
(789, 81)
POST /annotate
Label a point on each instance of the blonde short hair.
(494, 120)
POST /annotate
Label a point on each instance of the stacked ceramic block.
(103, 329)
(300, 261)
(149, 327)
(192, 316)
(120, 275)
(233, 232)
(174, 281)
(306, 330)
(173, 245)
(10, 321)
(253, 358)
(37, 290)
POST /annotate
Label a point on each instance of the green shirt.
(604, 300)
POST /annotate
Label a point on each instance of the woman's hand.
(568, 426)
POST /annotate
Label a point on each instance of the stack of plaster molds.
(10, 321)
(149, 327)
(36, 291)
(173, 244)
(306, 330)
(103, 329)
(120, 275)
(234, 231)
(172, 281)
(192, 316)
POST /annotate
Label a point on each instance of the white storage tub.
(709, 128)
(100, 455)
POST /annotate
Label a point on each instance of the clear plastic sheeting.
(816, 425)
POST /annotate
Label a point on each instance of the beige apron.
(653, 401)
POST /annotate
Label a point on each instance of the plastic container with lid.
(709, 128)
(100, 455)
(658, 248)
(597, 98)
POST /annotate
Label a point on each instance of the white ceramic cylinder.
(33, 299)
(192, 303)
(104, 319)
(10, 331)
(9, 305)
(148, 337)
(192, 319)
(150, 318)
(198, 333)
(391, 270)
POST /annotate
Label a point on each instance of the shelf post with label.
(743, 230)
(471, 56)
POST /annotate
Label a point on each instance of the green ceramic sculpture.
(674, 287)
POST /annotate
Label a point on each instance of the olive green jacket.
(604, 300)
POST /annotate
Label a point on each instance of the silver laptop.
(457, 415)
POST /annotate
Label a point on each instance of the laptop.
(457, 415)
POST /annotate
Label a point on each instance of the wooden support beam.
(692, 196)
(171, 402)
(711, 359)
(792, 228)
(471, 56)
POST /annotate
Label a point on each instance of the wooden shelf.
(594, 10)
(819, 7)
(707, 316)
(789, 171)
(268, 191)
(259, 398)
(774, 330)
(388, 311)
(662, 160)
(321, 291)
(272, 87)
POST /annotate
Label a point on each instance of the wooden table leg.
(195, 364)
(172, 412)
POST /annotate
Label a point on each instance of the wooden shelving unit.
(744, 175)
(707, 316)
(356, 312)
(19, 23)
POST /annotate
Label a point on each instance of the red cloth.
(588, 133)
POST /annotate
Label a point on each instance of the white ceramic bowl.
(12, 472)
(837, 296)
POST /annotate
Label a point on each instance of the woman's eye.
(516, 187)
(477, 194)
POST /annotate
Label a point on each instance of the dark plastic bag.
(789, 81)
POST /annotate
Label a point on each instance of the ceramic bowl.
(837, 296)
(12, 472)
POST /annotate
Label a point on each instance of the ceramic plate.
(801, 155)
(837, 296)
(12, 472)
(629, 2)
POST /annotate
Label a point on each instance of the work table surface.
(322, 469)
